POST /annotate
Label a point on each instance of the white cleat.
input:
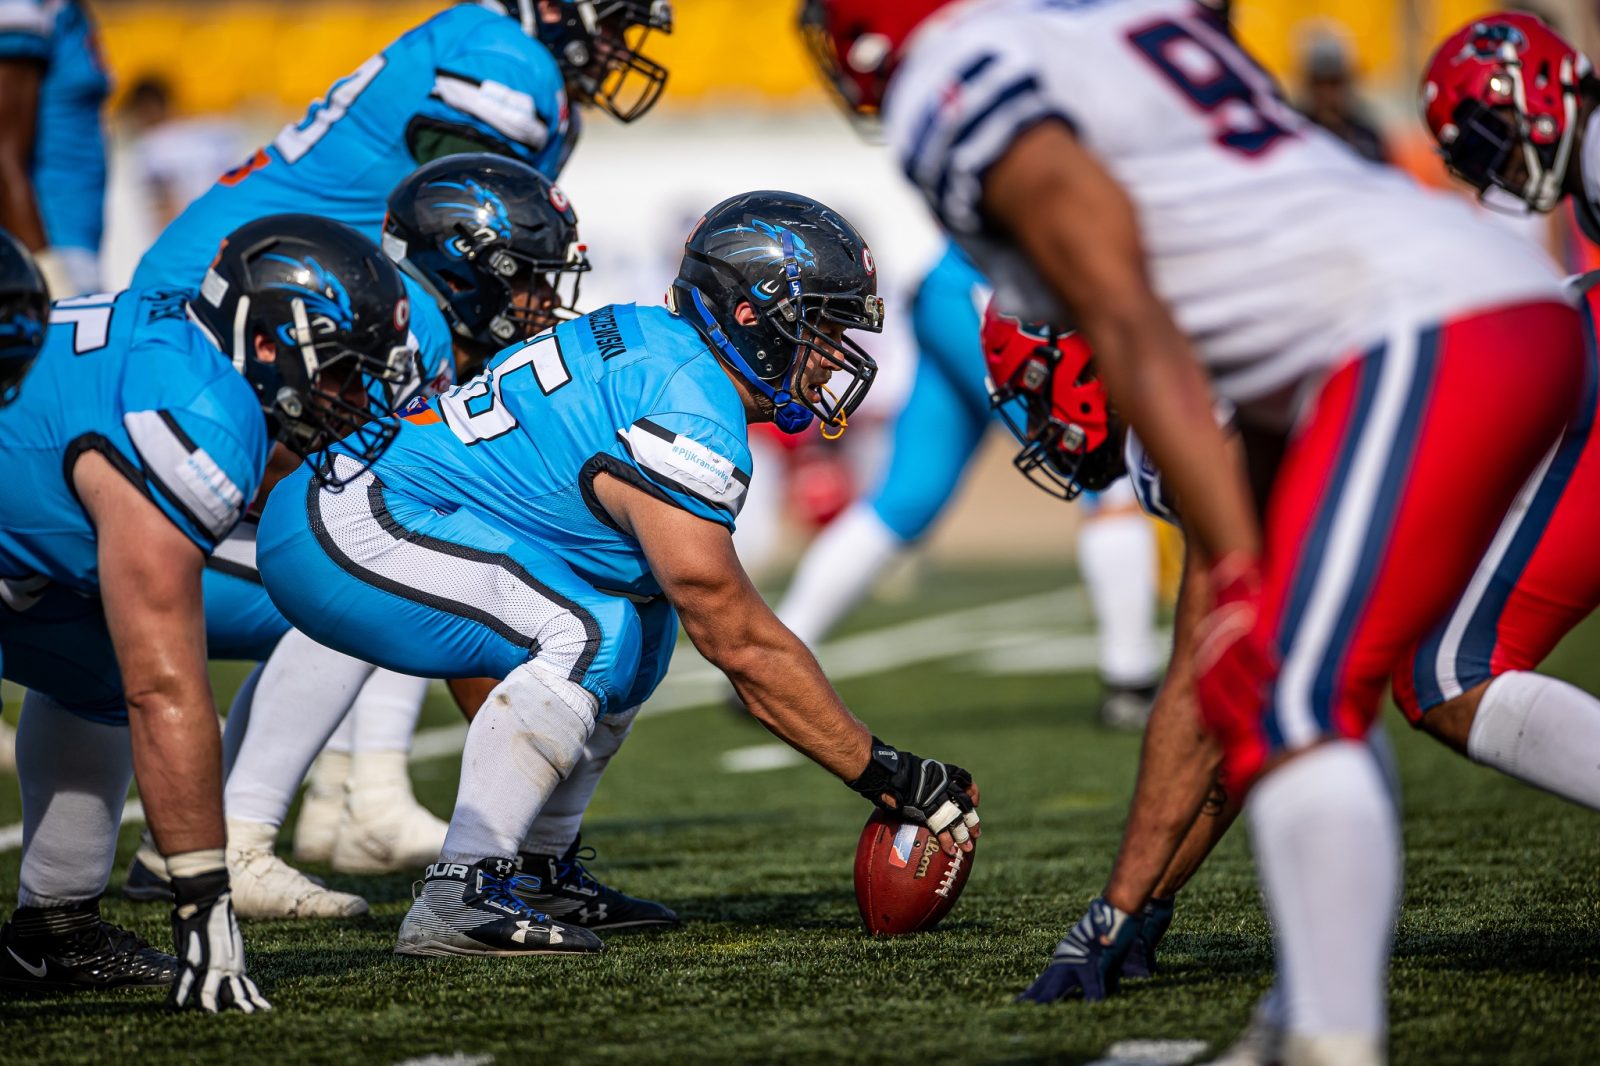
(1262, 1042)
(382, 828)
(318, 825)
(264, 886)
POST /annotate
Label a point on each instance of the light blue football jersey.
(466, 65)
(431, 337)
(129, 376)
(69, 148)
(629, 391)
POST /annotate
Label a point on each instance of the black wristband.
(200, 889)
(883, 763)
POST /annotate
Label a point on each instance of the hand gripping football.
(904, 882)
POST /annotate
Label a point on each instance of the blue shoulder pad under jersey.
(131, 377)
(430, 338)
(947, 317)
(468, 66)
(68, 158)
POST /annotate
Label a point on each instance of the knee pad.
(555, 716)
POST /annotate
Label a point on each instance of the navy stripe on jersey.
(1387, 505)
(1471, 661)
(1315, 546)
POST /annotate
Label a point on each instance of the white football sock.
(1541, 731)
(838, 571)
(343, 741)
(74, 776)
(386, 711)
(238, 720)
(1327, 842)
(526, 738)
(556, 827)
(304, 692)
(1117, 556)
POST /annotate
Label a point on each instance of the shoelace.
(105, 942)
(499, 891)
(572, 869)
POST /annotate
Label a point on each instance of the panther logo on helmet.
(326, 301)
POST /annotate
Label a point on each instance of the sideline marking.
(1152, 1053)
(760, 757)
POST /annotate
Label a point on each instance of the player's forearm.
(177, 761)
(783, 687)
(1177, 765)
(1216, 816)
(1177, 768)
(19, 210)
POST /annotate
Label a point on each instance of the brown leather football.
(904, 882)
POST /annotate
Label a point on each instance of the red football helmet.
(857, 43)
(1501, 96)
(1042, 381)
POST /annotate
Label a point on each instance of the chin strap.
(790, 416)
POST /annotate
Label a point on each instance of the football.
(904, 882)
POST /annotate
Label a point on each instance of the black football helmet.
(600, 46)
(333, 315)
(24, 315)
(478, 232)
(802, 268)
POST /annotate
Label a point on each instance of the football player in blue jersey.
(141, 435)
(494, 246)
(52, 147)
(548, 523)
(477, 77)
(934, 438)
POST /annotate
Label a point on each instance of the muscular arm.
(773, 672)
(1177, 765)
(150, 583)
(1079, 229)
(19, 109)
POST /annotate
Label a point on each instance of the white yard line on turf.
(760, 757)
(1152, 1053)
(1028, 634)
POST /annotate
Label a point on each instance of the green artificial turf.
(1497, 959)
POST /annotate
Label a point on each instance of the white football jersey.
(1278, 250)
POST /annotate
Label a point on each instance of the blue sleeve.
(25, 30)
(508, 84)
(691, 461)
(430, 338)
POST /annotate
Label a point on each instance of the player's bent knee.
(553, 715)
(1450, 722)
(598, 645)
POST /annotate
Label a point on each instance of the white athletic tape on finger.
(940, 820)
(959, 834)
(971, 818)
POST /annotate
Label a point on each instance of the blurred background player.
(52, 147)
(177, 158)
(933, 440)
(1329, 98)
(145, 436)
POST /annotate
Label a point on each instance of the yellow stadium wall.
(224, 55)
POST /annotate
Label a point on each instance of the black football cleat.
(72, 949)
(561, 886)
(474, 909)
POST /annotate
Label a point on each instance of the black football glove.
(210, 951)
(926, 791)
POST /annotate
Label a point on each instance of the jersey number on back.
(295, 141)
(1220, 80)
(476, 411)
